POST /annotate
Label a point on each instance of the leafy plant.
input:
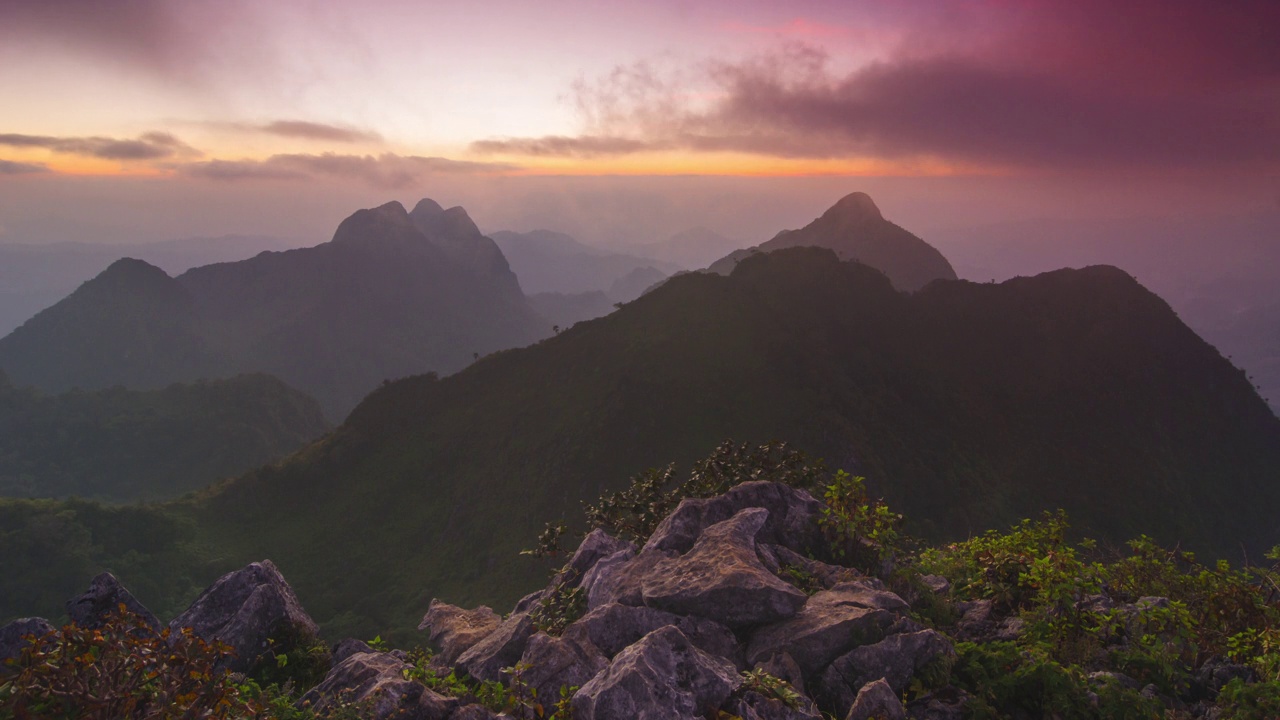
(772, 687)
(862, 532)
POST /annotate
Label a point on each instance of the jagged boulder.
(613, 627)
(555, 662)
(662, 677)
(455, 630)
(831, 623)
(895, 659)
(474, 712)
(251, 609)
(13, 636)
(877, 701)
(348, 647)
(376, 680)
(499, 649)
(828, 576)
(791, 521)
(721, 577)
(104, 597)
(596, 546)
(618, 577)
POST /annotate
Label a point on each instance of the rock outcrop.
(376, 681)
(252, 610)
(14, 635)
(684, 627)
(106, 596)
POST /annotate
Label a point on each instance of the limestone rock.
(377, 680)
(662, 677)
(104, 597)
(877, 700)
(721, 577)
(500, 648)
(617, 578)
(554, 662)
(12, 635)
(474, 712)
(613, 627)
(948, 703)
(247, 609)
(827, 575)
(831, 623)
(455, 630)
(596, 546)
(792, 518)
(896, 659)
(348, 647)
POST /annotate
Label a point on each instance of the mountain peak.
(389, 220)
(437, 223)
(856, 205)
(426, 207)
(131, 267)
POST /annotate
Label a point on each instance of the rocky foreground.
(722, 613)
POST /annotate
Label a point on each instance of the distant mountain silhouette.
(855, 230)
(33, 277)
(391, 295)
(128, 445)
(968, 406)
(552, 262)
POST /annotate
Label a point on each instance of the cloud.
(317, 131)
(149, 146)
(1044, 84)
(587, 146)
(176, 41)
(9, 167)
(388, 170)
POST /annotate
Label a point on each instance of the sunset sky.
(148, 119)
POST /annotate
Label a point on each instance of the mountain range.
(392, 294)
(967, 406)
(33, 277)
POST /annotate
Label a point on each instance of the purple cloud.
(384, 171)
(149, 146)
(9, 167)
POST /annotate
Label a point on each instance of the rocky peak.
(857, 206)
(389, 221)
(440, 224)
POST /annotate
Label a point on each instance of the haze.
(1017, 137)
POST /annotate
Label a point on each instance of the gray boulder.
(376, 682)
(13, 636)
(249, 609)
(555, 662)
(617, 578)
(474, 712)
(831, 623)
(455, 630)
(896, 659)
(104, 597)
(828, 576)
(876, 700)
(596, 546)
(613, 627)
(348, 647)
(721, 578)
(499, 649)
(792, 518)
(662, 677)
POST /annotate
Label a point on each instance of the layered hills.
(392, 294)
(967, 406)
(127, 445)
(855, 230)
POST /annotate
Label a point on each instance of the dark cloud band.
(150, 146)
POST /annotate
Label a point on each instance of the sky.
(139, 120)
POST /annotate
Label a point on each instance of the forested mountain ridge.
(391, 295)
(130, 445)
